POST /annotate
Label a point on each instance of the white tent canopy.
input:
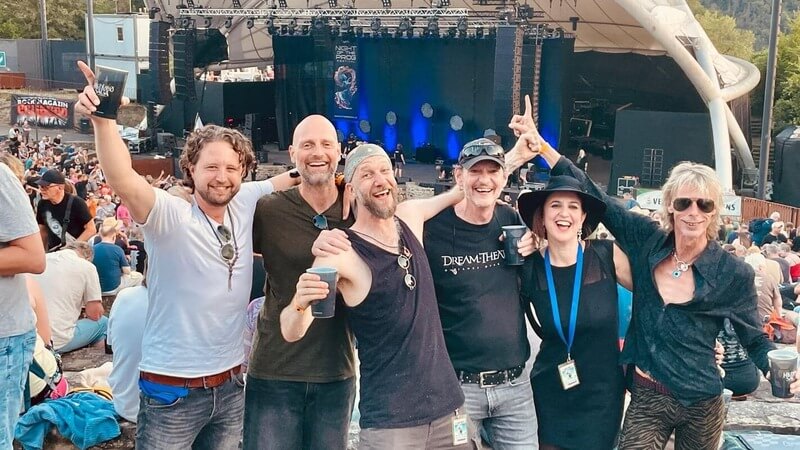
(649, 27)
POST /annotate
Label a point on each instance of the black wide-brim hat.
(594, 207)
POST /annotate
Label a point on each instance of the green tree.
(65, 18)
(723, 31)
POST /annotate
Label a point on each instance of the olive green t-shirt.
(283, 232)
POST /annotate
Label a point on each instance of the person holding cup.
(685, 285)
(410, 396)
(578, 384)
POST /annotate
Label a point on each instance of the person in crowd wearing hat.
(69, 284)
(112, 266)
(578, 384)
(410, 395)
(21, 252)
(200, 267)
(62, 217)
(685, 285)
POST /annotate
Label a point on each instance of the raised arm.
(114, 156)
(415, 212)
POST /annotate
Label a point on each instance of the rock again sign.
(41, 111)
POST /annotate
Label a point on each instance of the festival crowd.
(423, 319)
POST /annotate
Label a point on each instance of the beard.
(216, 198)
(378, 210)
(316, 179)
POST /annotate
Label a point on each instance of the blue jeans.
(16, 353)
(505, 413)
(205, 419)
(289, 415)
(87, 332)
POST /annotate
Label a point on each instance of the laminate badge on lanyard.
(460, 429)
(567, 371)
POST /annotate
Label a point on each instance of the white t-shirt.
(16, 221)
(125, 329)
(194, 323)
(68, 282)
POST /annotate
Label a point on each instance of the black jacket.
(674, 343)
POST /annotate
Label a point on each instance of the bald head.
(313, 127)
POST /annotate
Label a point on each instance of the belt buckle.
(481, 381)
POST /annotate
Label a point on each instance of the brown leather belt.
(207, 382)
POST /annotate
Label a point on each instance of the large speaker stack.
(159, 62)
(183, 43)
(785, 179)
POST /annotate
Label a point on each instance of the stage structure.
(648, 27)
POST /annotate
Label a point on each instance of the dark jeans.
(289, 415)
(742, 378)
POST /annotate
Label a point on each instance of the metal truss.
(311, 13)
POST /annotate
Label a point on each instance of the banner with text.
(651, 199)
(345, 81)
(42, 111)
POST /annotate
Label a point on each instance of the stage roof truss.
(311, 13)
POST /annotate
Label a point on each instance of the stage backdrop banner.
(345, 90)
(41, 111)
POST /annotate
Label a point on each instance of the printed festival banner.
(42, 111)
(345, 88)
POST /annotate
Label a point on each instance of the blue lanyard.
(576, 294)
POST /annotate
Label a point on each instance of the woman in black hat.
(577, 381)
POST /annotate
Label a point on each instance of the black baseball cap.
(52, 176)
(481, 150)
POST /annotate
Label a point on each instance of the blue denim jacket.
(674, 343)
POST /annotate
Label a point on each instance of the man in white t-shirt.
(200, 273)
(125, 330)
(69, 284)
(21, 251)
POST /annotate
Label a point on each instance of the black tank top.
(406, 375)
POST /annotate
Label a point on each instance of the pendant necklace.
(680, 265)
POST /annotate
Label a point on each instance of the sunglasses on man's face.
(682, 204)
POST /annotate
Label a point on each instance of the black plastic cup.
(782, 371)
(109, 85)
(511, 236)
(325, 308)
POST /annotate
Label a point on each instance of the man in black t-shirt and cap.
(479, 299)
(62, 217)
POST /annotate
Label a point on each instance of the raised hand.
(521, 124)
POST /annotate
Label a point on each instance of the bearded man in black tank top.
(410, 396)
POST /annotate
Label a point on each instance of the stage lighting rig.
(462, 27)
(319, 23)
(405, 24)
(284, 30)
(386, 3)
(250, 22)
(292, 26)
(282, 4)
(438, 4)
(451, 32)
(190, 4)
(333, 3)
(304, 30)
(345, 25)
(153, 11)
(228, 22)
(270, 22)
(237, 4)
(207, 22)
(433, 26)
(524, 12)
(479, 32)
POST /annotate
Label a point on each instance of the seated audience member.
(136, 244)
(785, 252)
(69, 283)
(125, 330)
(772, 253)
(775, 234)
(769, 296)
(112, 266)
(53, 385)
